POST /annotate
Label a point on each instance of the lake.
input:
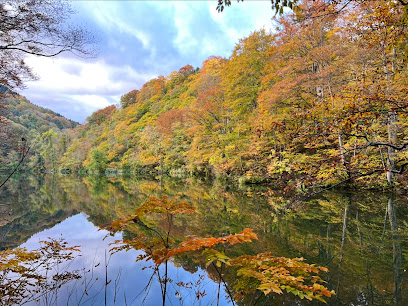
(361, 237)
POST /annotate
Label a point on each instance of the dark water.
(361, 237)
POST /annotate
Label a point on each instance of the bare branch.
(36, 27)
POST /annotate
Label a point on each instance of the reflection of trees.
(339, 271)
(397, 251)
(343, 231)
(30, 205)
(360, 239)
(365, 252)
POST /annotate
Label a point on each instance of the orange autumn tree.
(299, 103)
(335, 93)
(263, 272)
(209, 116)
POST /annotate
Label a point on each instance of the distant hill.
(30, 116)
(20, 119)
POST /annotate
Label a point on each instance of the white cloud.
(202, 31)
(91, 85)
(185, 40)
(139, 40)
(93, 101)
(64, 75)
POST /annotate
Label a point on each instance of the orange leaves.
(117, 225)
(269, 274)
(193, 243)
(163, 205)
(158, 248)
(22, 274)
(245, 236)
(102, 115)
(186, 71)
(11, 259)
(129, 98)
(168, 120)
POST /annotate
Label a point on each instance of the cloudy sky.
(138, 41)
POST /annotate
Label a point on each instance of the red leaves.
(102, 115)
(168, 120)
(193, 243)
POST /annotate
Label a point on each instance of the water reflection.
(127, 278)
(397, 251)
(361, 237)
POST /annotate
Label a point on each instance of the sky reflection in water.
(132, 277)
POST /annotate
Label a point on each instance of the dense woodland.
(27, 126)
(318, 101)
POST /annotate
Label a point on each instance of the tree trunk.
(392, 138)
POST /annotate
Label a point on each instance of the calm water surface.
(361, 237)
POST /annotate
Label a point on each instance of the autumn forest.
(306, 124)
(322, 101)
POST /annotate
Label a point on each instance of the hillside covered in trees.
(320, 101)
(316, 103)
(37, 128)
